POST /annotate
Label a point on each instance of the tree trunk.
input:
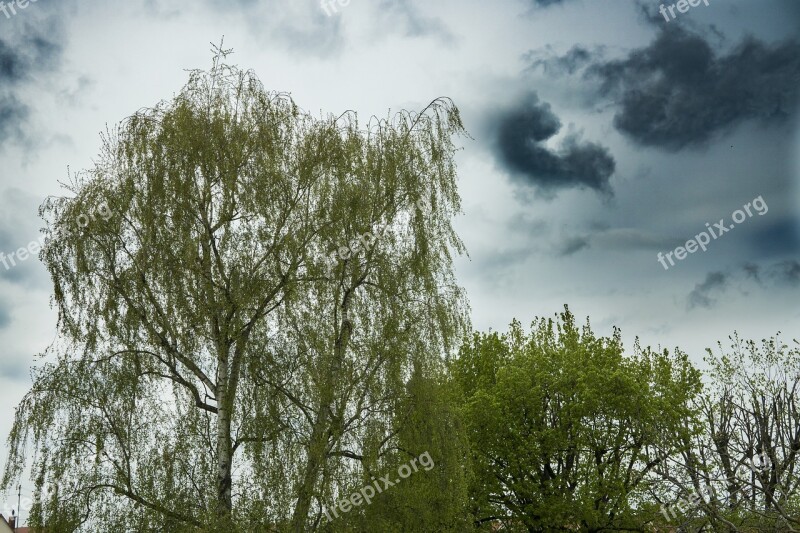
(316, 457)
(224, 455)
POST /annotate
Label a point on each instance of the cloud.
(5, 317)
(632, 239)
(786, 272)
(12, 114)
(780, 275)
(18, 212)
(677, 92)
(753, 271)
(414, 23)
(24, 53)
(552, 64)
(778, 238)
(618, 239)
(520, 136)
(546, 3)
(700, 296)
(15, 366)
(573, 245)
(300, 28)
(22, 56)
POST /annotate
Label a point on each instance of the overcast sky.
(603, 134)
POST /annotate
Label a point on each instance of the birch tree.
(214, 369)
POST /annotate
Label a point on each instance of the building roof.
(4, 527)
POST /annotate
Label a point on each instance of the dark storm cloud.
(787, 273)
(700, 296)
(520, 136)
(677, 91)
(779, 275)
(545, 3)
(14, 68)
(23, 54)
(752, 271)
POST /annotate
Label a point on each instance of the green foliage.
(213, 370)
(430, 500)
(564, 428)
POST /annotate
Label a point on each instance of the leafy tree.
(565, 429)
(434, 498)
(214, 368)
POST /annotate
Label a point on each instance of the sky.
(602, 134)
